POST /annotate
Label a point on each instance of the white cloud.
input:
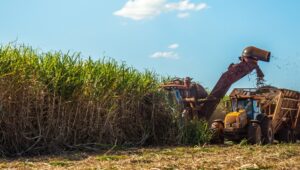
(201, 6)
(141, 9)
(185, 5)
(173, 46)
(145, 9)
(183, 15)
(167, 54)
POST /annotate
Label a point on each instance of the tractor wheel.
(254, 133)
(267, 131)
(286, 135)
(217, 129)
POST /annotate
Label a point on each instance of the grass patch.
(111, 157)
(3, 166)
(28, 164)
(244, 142)
(205, 149)
(59, 163)
(196, 132)
(169, 152)
(141, 161)
(288, 154)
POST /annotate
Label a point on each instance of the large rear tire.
(286, 135)
(267, 131)
(254, 134)
(217, 129)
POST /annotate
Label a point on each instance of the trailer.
(260, 115)
(282, 106)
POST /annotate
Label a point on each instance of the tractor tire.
(254, 134)
(286, 135)
(267, 131)
(217, 130)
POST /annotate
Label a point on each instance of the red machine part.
(195, 97)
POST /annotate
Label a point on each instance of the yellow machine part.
(236, 119)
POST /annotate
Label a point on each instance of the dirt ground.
(279, 156)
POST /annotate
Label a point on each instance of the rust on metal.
(282, 106)
(196, 100)
(256, 54)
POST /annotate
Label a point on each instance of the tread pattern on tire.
(217, 135)
(267, 131)
(286, 135)
(254, 133)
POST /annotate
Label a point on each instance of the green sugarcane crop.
(54, 100)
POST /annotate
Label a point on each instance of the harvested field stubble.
(55, 101)
(283, 156)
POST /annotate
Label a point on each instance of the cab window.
(245, 104)
(241, 104)
(256, 109)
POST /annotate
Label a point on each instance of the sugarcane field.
(149, 84)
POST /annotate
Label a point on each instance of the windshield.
(251, 107)
(245, 104)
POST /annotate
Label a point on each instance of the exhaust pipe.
(256, 54)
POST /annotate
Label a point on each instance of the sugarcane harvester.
(197, 103)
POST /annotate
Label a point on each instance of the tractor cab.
(248, 105)
(242, 111)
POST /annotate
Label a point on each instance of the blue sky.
(172, 37)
